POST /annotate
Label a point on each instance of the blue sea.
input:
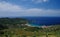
(40, 21)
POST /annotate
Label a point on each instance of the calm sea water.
(39, 21)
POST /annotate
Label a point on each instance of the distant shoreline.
(39, 21)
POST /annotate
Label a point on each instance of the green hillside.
(15, 27)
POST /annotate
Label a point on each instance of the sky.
(19, 8)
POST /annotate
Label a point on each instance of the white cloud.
(8, 9)
(43, 12)
(37, 1)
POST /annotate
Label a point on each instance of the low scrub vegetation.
(15, 27)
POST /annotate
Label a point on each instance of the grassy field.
(16, 32)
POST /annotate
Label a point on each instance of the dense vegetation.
(15, 27)
(9, 22)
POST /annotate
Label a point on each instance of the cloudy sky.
(15, 8)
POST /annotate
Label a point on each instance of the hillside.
(14, 27)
